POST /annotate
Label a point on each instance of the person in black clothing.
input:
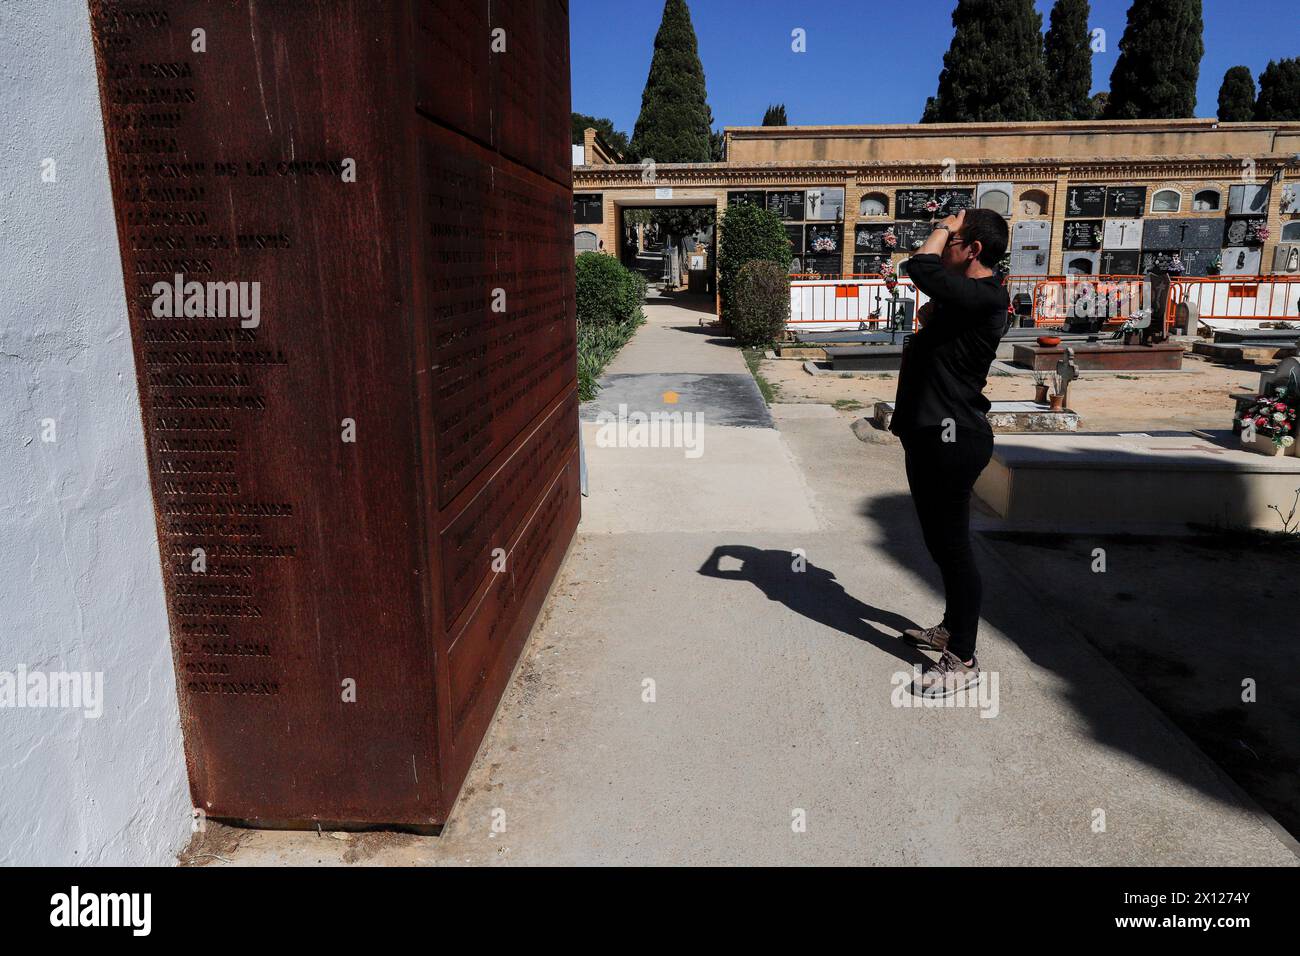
(939, 413)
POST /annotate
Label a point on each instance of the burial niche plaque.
(1124, 263)
(1197, 261)
(870, 237)
(953, 201)
(352, 312)
(1122, 234)
(1128, 202)
(870, 265)
(915, 204)
(1182, 233)
(1083, 233)
(1085, 202)
(912, 235)
(787, 205)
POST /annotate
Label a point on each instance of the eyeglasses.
(955, 241)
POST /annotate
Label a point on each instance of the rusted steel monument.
(346, 235)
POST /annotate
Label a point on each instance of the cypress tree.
(993, 71)
(1159, 61)
(674, 125)
(1279, 91)
(1067, 52)
(1237, 95)
(775, 116)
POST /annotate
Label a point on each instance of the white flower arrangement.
(1273, 417)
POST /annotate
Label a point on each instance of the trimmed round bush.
(748, 234)
(762, 303)
(607, 291)
(609, 299)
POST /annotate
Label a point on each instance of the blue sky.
(868, 61)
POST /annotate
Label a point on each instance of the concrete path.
(690, 698)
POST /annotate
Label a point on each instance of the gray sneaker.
(947, 676)
(929, 638)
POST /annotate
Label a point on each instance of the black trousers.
(941, 474)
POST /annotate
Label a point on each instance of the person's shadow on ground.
(814, 593)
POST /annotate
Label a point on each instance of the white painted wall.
(80, 584)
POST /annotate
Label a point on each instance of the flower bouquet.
(890, 275)
(890, 238)
(823, 244)
(1269, 423)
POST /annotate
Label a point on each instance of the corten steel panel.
(453, 85)
(496, 249)
(509, 88)
(427, 306)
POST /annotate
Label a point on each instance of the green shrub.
(606, 290)
(589, 369)
(609, 300)
(597, 346)
(762, 303)
(748, 233)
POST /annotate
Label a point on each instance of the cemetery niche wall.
(349, 274)
(1090, 180)
(814, 224)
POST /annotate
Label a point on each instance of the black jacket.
(946, 364)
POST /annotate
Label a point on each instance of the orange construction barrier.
(1112, 298)
(848, 298)
(818, 302)
(1229, 300)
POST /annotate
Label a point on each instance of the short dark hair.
(988, 229)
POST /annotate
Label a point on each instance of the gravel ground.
(1196, 397)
